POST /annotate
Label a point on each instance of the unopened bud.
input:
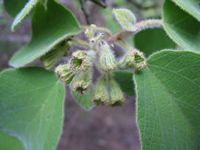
(80, 61)
(101, 95)
(133, 59)
(107, 61)
(90, 31)
(82, 81)
(65, 73)
(116, 94)
(140, 61)
(51, 58)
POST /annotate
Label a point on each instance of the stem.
(138, 27)
(85, 12)
(100, 3)
(80, 42)
(100, 29)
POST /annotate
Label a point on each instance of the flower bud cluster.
(78, 72)
(108, 92)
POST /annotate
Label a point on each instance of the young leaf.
(31, 108)
(125, 80)
(168, 99)
(190, 6)
(13, 7)
(181, 27)
(85, 99)
(50, 27)
(110, 23)
(125, 18)
(23, 13)
(152, 40)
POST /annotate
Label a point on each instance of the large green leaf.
(181, 27)
(125, 80)
(13, 7)
(191, 6)
(50, 27)
(168, 100)
(31, 108)
(24, 12)
(152, 40)
(8, 142)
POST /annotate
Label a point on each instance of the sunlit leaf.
(23, 13)
(168, 99)
(50, 27)
(181, 27)
(190, 6)
(31, 109)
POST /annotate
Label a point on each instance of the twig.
(100, 29)
(85, 12)
(100, 3)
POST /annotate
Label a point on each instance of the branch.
(85, 12)
(100, 3)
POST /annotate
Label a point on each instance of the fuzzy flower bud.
(140, 61)
(51, 58)
(80, 61)
(116, 94)
(82, 81)
(65, 73)
(107, 61)
(133, 59)
(101, 95)
(90, 31)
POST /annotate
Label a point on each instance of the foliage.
(166, 83)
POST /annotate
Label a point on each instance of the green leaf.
(125, 80)
(8, 142)
(181, 27)
(13, 7)
(23, 13)
(31, 108)
(190, 6)
(125, 18)
(152, 40)
(168, 99)
(84, 100)
(50, 27)
(110, 23)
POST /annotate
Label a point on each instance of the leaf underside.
(181, 27)
(50, 27)
(190, 6)
(168, 100)
(23, 13)
(13, 7)
(152, 40)
(31, 109)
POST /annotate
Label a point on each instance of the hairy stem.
(138, 27)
